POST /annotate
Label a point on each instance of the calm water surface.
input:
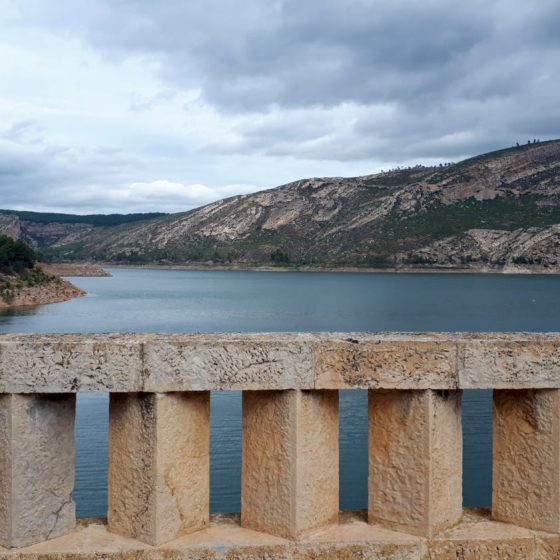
(174, 301)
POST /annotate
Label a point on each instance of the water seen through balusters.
(136, 300)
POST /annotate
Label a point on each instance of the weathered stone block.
(383, 362)
(548, 546)
(415, 460)
(159, 464)
(139, 362)
(231, 362)
(290, 461)
(526, 470)
(37, 462)
(70, 363)
(479, 538)
(509, 361)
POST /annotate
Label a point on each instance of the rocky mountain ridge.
(497, 209)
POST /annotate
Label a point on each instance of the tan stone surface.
(70, 363)
(290, 461)
(523, 361)
(547, 546)
(526, 464)
(415, 460)
(268, 361)
(230, 362)
(37, 462)
(159, 464)
(386, 364)
(475, 538)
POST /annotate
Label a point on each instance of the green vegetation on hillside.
(93, 219)
(15, 256)
(17, 267)
(504, 213)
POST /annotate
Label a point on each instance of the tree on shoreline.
(15, 255)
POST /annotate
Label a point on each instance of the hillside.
(501, 208)
(43, 229)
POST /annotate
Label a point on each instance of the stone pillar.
(290, 461)
(526, 468)
(159, 464)
(415, 460)
(37, 465)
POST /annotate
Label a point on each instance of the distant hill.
(494, 210)
(45, 229)
(92, 219)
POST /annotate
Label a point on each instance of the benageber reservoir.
(210, 301)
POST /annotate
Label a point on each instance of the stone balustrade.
(159, 445)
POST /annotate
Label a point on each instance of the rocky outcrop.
(54, 291)
(522, 247)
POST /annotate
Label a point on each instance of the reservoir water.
(135, 300)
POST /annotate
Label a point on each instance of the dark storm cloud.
(484, 71)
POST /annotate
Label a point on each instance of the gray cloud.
(427, 57)
(380, 81)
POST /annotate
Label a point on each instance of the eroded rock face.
(520, 249)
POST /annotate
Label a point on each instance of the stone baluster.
(37, 464)
(415, 460)
(159, 464)
(290, 461)
(526, 463)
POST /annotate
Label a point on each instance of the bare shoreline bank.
(74, 269)
(55, 291)
(510, 269)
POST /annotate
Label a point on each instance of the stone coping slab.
(476, 537)
(150, 362)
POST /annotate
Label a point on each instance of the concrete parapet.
(36, 468)
(279, 361)
(290, 461)
(415, 460)
(160, 430)
(159, 465)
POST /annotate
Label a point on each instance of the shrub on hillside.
(15, 256)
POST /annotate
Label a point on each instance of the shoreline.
(78, 269)
(57, 290)
(509, 269)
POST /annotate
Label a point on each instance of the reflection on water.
(92, 423)
(187, 301)
(225, 451)
(16, 312)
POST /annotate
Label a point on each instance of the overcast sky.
(146, 105)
